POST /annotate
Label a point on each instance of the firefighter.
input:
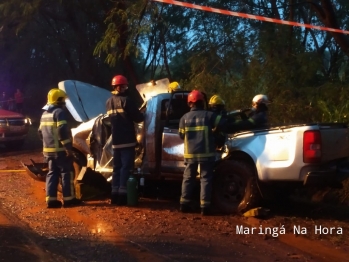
(57, 150)
(259, 114)
(173, 86)
(123, 113)
(195, 128)
(217, 105)
(258, 118)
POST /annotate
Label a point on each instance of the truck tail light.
(311, 146)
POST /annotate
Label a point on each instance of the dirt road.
(153, 231)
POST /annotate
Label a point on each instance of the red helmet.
(195, 96)
(119, 80)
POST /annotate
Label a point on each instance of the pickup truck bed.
(283, 154)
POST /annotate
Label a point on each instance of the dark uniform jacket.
(195, 127)
(54, 132)
(123, 113)
(220, 136)
(259, 117)
(256, 119)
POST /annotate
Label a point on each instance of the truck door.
(172, 160)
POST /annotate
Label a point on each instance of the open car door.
(172, 160)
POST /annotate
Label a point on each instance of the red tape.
(256, 17)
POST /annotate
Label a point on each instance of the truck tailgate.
(335, 142)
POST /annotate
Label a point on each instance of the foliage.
(304, 71)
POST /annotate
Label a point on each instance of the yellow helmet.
(174, 86)
(216, 100)
(56, 96)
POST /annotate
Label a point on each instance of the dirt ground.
(155, 230)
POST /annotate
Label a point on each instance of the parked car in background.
(14, 128)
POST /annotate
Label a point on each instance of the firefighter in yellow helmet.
(57, 150)
(217, 105)
(174, 86)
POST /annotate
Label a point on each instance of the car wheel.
(234, 187)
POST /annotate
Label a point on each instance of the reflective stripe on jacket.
(195, 127)
(54, 132)
(123, 113)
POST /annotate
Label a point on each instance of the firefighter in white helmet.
(259, 114)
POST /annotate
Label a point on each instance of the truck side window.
(176, 109)
(179, 107)
(164, 105)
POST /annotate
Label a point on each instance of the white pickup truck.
(252, 165)
(276, 160)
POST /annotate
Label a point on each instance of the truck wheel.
(252, 197)
(234, 187)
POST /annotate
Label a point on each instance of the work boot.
(184, 208)
(54, 204)
(114, 199)
(122, 201)
(72, 202)
(205, 211)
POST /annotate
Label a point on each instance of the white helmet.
(260, 99)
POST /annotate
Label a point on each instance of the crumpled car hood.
(85, 101)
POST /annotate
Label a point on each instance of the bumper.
(37, 171)
(323, 178)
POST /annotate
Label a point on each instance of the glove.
(143, 107)
(245, 110)
(243, 113)
(70, 153)
(243, 116)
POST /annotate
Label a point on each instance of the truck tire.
(252, 197)
(234, 187)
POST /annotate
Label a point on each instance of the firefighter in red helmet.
(195, 127)
(123, 113)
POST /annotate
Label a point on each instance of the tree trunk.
(326, 14)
